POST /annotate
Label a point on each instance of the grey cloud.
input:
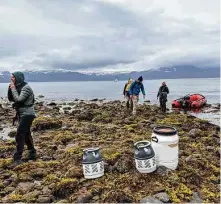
(100, 36)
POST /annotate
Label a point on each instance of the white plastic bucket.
(165, 142)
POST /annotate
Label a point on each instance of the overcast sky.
(108, 35)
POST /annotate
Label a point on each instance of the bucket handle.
(155, 139)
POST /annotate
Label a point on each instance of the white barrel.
(165, 142)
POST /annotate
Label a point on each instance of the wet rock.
(52, 185)
(196, 198)
(189, 158)
(71, 103)
(85, 115)
(162, 171)
(40, 96)
(67, 108)
(123, 165)
(45, 123)
(46, 158)
(153, 126)
(210, 148)
(44, 199)
(164, 197)
(5, 175)
(150, 200)
(63, 201)
(84, 196)
(96, 99)
(24, 187)
(74, 172)
(195, 133)
(216, 134)
(9, 189)
(38, 173)
(7, 182)
(181, 152)
(23, 177)
(33, 194)
(12, 133)
(46, 191)
(52, 104)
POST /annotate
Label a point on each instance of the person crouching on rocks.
(22, 95)
(134, 91)
(129, 102)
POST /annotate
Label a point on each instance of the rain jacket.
(22, 96)
(135, 88)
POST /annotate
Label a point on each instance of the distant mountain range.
(175, 72)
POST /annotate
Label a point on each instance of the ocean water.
(66, 91)
(110, 90)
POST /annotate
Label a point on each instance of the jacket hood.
(19, 77)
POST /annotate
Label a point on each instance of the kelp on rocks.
(60, 139)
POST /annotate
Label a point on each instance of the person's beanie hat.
(140, 78)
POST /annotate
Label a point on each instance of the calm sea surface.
(67, 91)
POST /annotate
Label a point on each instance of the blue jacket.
(135, 88)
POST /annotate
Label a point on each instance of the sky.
(108, 36)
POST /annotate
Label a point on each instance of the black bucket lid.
(165, 130)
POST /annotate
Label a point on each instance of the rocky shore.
(62, 131)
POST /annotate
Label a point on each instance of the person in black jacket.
(22, 95)
(162, 95)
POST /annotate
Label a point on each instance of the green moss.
(65, 187)
(6, 148)
(64, 137)
(15, 197)
(51, 178)
(110, 155)
(5, 162)
(182, 192)
(44, 123)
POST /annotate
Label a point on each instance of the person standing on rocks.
(126, 94)
(134, 92)
(162, 95)
(22, 95)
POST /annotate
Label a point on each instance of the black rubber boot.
(31, 155)
(15, 163)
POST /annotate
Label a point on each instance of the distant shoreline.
(114, 81)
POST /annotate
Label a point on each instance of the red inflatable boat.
(194, 100)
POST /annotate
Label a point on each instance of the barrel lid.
(165, 130)
(91, 149)
(143, 143)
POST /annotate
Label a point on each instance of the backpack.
(128, 85)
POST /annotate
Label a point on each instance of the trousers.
(23, 136)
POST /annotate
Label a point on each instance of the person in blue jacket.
(134, 92)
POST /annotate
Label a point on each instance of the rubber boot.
(31, 155)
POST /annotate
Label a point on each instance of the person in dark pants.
(126, 94)
(22, 95)
(162, 95)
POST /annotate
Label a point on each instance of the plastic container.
(165, 142)
(93, 166)
(144, 157)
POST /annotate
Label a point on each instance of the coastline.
(61, 136)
